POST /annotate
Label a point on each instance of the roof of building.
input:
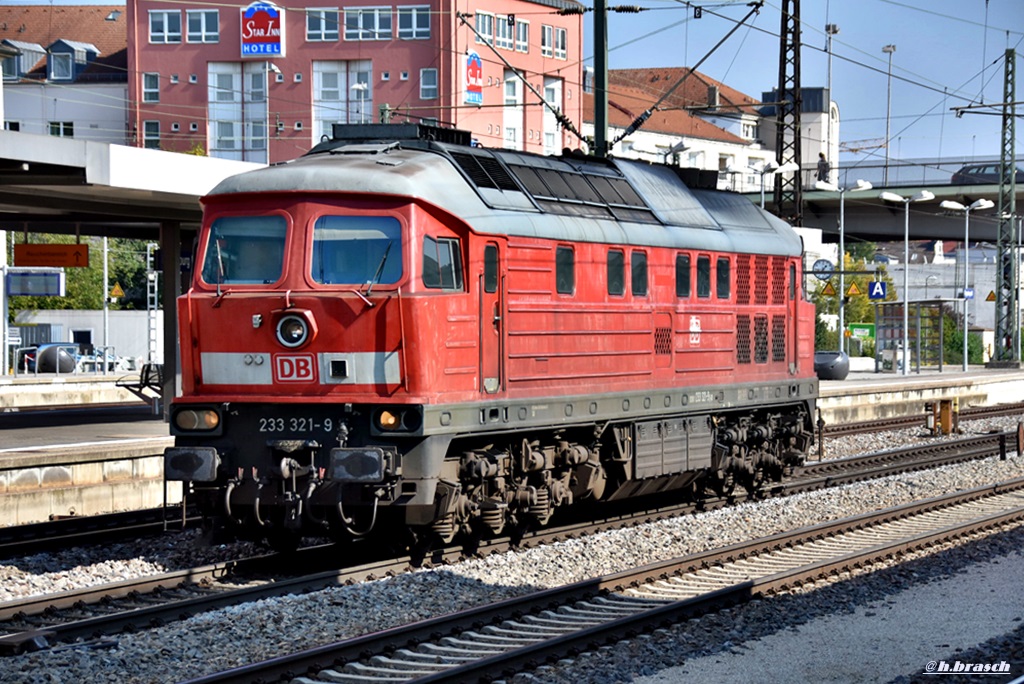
(694, 92)
(102, 26)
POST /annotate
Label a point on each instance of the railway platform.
(98, 467)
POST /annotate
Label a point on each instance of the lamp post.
(888, 49)
(858, 185)
(928, 280)
(772, 166)
(956, 206)
(922, 196)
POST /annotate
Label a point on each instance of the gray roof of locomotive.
(685, 218)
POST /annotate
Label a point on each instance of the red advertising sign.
(262, 30)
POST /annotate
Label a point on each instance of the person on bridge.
(823, 168)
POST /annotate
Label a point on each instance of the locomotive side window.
(704, 276)
(442, 263)
(490, 268)
(722, 277)
(357, 250)
(638, 273)
(683, 275)
(616, 272)
(245, 250)
(792, 281)
(565, 270)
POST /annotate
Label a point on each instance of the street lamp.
(772, 166)
(956, 206)
(858, 185)
(922, 196)
(888, 49)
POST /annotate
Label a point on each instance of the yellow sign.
(829, 290)
(991, 296)
(117, 291)
(853, 290)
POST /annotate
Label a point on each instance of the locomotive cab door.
(492, 321)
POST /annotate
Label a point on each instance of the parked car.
(50, 357)
(975, 174)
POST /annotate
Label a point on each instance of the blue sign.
(876, 289)
(968, 293)
(35, 283)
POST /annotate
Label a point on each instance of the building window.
(561, 43)
(203, 26)
(547, 40)
(428, 84)
(12, 126)
(151, 135)
(150, 87)
(368, 23)
(565, 270)
(414, 23)
(322, 24)
(638, 273)
(237, 110)
(503, 31)
(522, 36)
(485, 28)
(342, 93)
(164, 26)
(62, 129)
(60, 66)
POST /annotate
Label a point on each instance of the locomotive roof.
(569, 197)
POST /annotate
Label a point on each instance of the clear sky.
(949, 53)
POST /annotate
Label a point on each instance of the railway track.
(38, 622)
(519, 634)
(61, 533)
(900, 422)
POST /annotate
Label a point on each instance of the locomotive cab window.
(442, 263)
(565, 270)
(357, 250)
(704, 276)
(638, 273)
(245, 250)
(616, 272)
(683, 276)
(722, 278)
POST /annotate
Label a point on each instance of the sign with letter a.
(876, 289)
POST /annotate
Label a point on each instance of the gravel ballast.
(231, 637)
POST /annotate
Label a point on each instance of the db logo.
(294, 368)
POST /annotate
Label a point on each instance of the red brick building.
(263, 83)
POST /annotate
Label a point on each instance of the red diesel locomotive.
(402, 331)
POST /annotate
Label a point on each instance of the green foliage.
(953, 347)
(126, 266)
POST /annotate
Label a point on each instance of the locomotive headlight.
(387, 420)
(292, 331)
(196, 419)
